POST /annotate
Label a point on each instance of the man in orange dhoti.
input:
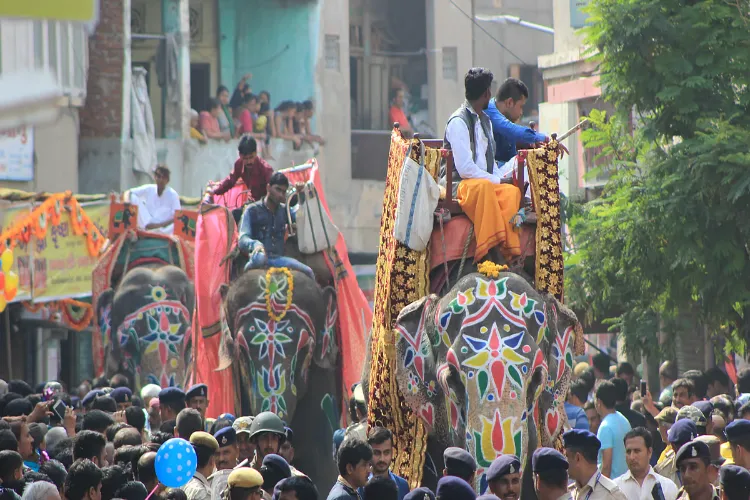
(489, 203)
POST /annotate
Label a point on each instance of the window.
(62, 47)
(332, 52)
(450, 63)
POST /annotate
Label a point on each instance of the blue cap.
(226, 436)
(460, 460)
(91, 396)
(502, 466)
(226, 416)
(735, 482)
(338, 437)
(420, 494)
(682, 431)
(171, 395)
(198, 390)
(581, 439)
(693, 449)
(738, 429)
(545, 459)
(277, 462)
(122, 395)
(455, 488)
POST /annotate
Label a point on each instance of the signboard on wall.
(62, 263)
(69, 10)
(17, 154)
(577, 16)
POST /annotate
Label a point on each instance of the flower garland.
(490, 269)
(271, 290)
(49, 212)
(75, 314)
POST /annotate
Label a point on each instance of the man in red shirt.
(397, 114)
(255, 172)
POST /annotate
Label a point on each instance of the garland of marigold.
(63, 306)
(490, 269)
(268, 292)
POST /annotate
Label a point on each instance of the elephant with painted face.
(279, 336)
(487, 367)
(146, 321)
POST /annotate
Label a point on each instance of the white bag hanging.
(315, 230)
(418, 196)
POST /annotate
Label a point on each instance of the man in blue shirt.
(574, 405)
(381, 441)
(504, 111)
(611, 433)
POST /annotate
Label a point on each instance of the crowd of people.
(101, 443)
(245, 113)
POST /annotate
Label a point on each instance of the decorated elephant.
(145, 322)
(487, 368)
(279, 336)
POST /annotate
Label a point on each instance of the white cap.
(150, 391)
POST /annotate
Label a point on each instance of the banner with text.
(62, 264)
(22, 251)
(17, 154)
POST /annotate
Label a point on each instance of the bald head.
(127, 436)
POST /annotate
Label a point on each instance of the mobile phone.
(643, 388)
(59, 409)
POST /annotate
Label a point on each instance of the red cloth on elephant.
(215, 236)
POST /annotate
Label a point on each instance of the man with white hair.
(40, 490)
(3, 387)
(149, 392)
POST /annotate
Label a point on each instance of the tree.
(670, 232)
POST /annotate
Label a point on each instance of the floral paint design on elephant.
(156, 356)
(270, 326)
(329, 329)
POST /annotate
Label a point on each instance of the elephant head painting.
(487, 368)
(279, 337)
(145, 323)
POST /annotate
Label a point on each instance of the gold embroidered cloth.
(402, 277)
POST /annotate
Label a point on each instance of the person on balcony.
(254, 171)
(157, 203)
(397, 112)
(489, 203)
(263, 226)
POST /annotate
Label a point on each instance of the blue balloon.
(176, 463)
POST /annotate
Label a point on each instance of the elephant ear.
(327, 338)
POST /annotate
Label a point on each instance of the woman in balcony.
(210, 122)
(226, 121)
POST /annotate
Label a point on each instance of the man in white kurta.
(157, 203)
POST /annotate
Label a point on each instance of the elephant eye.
(158, 293)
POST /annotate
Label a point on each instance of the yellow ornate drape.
(402, 277)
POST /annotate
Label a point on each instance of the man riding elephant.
(263, 226)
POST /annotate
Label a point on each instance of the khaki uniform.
(599, 487)
(218, 482)
(683, 495)
(668, 468)
(198, 488)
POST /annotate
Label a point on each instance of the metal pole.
(7, 344)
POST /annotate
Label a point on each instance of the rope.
(465, 252)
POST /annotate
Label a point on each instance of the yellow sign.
(22, 251)
(62, 264)
(56, 10)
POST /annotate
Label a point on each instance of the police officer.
(504, 477)
(738, 435)
(226, 460)
(123, 397)
(550, 474)
(274, 469)
(693, 460)
(197, 397)
(241, 426)
(459, 463)
(581, 451)
(205, 446)
(735, 483)
(683, 431)
(454, 488)
(243, 484)
(420, 494)
(267, 433)
(171, 402)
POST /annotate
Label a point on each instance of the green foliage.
(670, 232)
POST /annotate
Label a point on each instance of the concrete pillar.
(175, 20)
